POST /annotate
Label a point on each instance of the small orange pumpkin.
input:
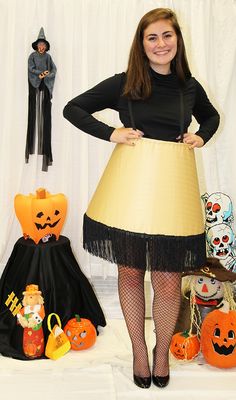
(41, 214)
(30, 349)
(80, 332)
(218, 338)
(184, 346)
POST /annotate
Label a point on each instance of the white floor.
(104, 372)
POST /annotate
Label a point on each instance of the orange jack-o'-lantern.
(80, 332)
(41, 214)
(218, 338)
(184, 346)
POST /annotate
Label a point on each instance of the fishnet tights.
(131, 294)
(166, 303)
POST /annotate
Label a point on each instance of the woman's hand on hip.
(125, 135)
(193, 140)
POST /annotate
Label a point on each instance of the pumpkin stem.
(77, 317)
(41, 193)
(185, 333)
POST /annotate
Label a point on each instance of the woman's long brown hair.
(138, 83)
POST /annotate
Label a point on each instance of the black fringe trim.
(143, 251)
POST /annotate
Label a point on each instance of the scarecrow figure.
(30, 318)
(41, 75)
(203, 291)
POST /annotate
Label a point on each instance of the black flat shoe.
(161, 381)
(143, 383)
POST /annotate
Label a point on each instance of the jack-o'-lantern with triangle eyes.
(80, 332)
(218, 338)
(41, 214)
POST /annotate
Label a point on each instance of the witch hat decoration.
(41, 38)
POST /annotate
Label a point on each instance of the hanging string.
(181, 115)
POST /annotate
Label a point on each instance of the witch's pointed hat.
(41, 38)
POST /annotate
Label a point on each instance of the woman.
(145, 213)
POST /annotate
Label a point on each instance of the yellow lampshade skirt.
(148, 197)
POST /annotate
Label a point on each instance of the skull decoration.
(218, 209)
(220, 239)
(41, 214)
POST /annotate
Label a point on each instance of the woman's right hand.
(125, 135)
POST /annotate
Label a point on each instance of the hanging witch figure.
(41, 75)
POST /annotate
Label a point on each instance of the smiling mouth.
(223, 349)
(206, 297)
(161, 53)
(210, 220)
(180, 356)
(78, 344)
(39, 226)
(221, 253)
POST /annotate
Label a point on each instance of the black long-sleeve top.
(158, 117)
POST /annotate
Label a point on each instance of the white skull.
(218, 208)
(220, 239)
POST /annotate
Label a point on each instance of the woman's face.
(160, 45)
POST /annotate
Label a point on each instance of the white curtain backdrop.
(90, 41)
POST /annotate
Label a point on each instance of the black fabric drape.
(65, 289)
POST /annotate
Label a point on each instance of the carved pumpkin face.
(41, 214)
(218, 338)
(30, 349)
(81, 333)
(184, 346)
